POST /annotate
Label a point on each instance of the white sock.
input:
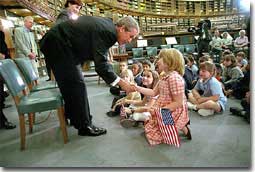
(140, 116)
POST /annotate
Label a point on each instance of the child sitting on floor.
(212, 98)
(116, 104)
(116, 90)
(139, 111)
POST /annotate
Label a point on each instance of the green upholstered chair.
(137, 53)
(30, 102)
(165, 46)
(152, 51)
(116, 67)
(179, 47)
(27, 70)
(185, 39)
(190, 48)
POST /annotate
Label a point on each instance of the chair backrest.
(185, 39)
(27, 69)
(190, 48)
(116, 67)
(152, 51)
(165, 46)
(137, 52)
(179, 47)
(13, 79)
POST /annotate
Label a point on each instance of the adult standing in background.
(204, 39)
(67, 45)
(70, 12)
(25, 44)
(4, 123)
(4, 52)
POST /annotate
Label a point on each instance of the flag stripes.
(167, 127)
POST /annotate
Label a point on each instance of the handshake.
(127, 86)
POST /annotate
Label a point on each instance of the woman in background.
(71, 11)
(4, 54)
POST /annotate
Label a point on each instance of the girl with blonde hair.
(126, 75)
(171, 96)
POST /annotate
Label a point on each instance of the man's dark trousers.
(68, 74)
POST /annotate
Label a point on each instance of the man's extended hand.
(126, 86)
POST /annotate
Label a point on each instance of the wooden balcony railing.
(39, 7)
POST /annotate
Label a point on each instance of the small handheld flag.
(167, 127)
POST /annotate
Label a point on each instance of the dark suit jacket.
(3, 46)
(89, 38)
(63, 16)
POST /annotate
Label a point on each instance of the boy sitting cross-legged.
(207, 96)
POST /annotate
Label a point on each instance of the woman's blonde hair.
(173, 58)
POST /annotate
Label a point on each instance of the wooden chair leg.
(62, 122)
(33, 118)
(31, 121)
(22, 131)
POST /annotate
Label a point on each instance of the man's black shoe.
(8, 125)
(98, 128)
(48, 79)
(236, 111)
(91, 131)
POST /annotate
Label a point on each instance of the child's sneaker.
(127, 123)
(205, 112)
(191, 106)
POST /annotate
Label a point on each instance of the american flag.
(123, 114)
(167, 127)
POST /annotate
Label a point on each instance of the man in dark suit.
(4, 123)
(4, 54)
(70, 12)
(67, 45)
